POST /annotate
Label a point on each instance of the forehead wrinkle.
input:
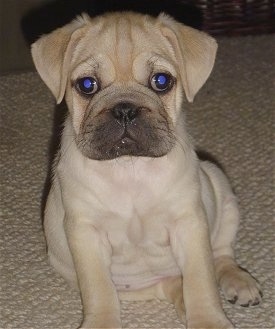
(87, 65)
(124, 46)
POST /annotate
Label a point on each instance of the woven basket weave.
(235, 17)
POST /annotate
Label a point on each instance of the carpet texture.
(231, 118)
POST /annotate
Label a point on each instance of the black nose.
(125, 112)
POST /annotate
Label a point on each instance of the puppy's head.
(123, 76)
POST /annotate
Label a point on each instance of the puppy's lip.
(125, 139)
(123, 145)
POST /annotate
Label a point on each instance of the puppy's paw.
(240, 287)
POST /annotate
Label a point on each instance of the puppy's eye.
(87, 85)
(161, 82)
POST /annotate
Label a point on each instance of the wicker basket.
(236, 17)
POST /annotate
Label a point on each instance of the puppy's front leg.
(191, 246)
(91, 260)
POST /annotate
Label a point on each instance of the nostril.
(132, 113)
(125, 112)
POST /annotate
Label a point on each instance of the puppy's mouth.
(126, 141)
(126, 130)
(124, 146)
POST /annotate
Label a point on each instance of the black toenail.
(261, 294)
(256, 302)
(245, 305)
(233, 301)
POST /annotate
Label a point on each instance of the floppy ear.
(195, 51)
(51, 55)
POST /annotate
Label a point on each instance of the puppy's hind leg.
(237, 285)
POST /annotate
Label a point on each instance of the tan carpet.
(231, 118)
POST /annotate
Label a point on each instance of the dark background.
(23, 21)
(37, 21)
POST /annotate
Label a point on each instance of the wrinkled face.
(123, 91)
(123, 76)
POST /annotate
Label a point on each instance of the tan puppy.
(132, 210)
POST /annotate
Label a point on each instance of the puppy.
(132, 213)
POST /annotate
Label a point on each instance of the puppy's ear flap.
(195, 51)
(52, 53)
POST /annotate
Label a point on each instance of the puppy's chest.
(138, 232)
(141, 253)
(135, 210)
(140, 242)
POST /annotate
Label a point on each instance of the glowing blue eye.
(87, 85)
(161, 81)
